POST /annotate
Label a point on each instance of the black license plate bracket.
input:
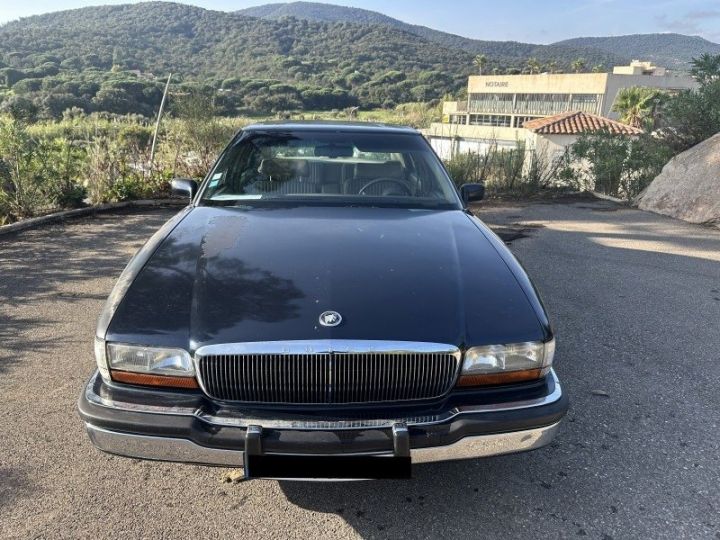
(351, 467)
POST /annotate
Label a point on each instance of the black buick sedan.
(325, 307)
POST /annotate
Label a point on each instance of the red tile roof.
(576, 122)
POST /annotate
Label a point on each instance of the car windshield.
(337, 167)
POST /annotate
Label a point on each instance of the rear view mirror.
(334, 150)
(183, 187)
(472, 192)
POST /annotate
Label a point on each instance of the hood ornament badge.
(330, 318)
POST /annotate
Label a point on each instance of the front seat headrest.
(387, 169)
(283, 169)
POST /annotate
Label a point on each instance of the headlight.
(150, 366)
(502, 364)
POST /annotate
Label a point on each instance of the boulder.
(688, 187)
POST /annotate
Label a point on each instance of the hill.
(500, 53)
(264, 65)
(669, 50)
(271, 58)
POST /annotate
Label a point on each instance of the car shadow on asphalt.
(452, 499)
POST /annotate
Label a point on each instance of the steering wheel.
(389, 180)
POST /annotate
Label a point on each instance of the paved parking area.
(635, 299)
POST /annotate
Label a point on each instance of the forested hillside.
(269, 59)
(84, 58)
(502, 54)
(669, 50)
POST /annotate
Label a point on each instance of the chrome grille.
(327, 377)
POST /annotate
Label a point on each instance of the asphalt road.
(635, 299)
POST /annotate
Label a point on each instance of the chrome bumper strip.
(480, 446)
(185, 451)
(161, 448)
(236, 419)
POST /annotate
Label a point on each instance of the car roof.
(328, 125)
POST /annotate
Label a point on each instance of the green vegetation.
(516, 172)
(578, 65)
(639, 106)
(79, 89)
(502, 55)
(624, 166)
(706, 68)
(285, 57)
(480, 62)
(49, 165)
(621, 166)
(115, 58)
(674, 51)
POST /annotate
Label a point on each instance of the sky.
(533, 21)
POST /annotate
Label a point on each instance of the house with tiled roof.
(576, 123)
(551, 135)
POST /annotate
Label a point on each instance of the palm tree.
(638, 105)
(533, 65)
(578, 65)
(480, 62)
(598, 68)
(552, 66)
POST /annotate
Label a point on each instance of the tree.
(552, 66)
(9, 76)
(692, 116)
(480, 62)
(533, 66)
(598, 68)
(620, 165)
(637, 106)
(20, 108)
(706, 68)
(578, 65)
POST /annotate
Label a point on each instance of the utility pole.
(157, 124)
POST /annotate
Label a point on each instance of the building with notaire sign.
(498, 106)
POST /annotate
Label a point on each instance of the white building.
(498, 106)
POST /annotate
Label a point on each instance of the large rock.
(689, 185)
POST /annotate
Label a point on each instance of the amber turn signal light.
(146, 379)
(508, 377)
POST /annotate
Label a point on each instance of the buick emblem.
(330, 318)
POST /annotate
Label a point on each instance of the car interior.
(324, 176)
(302, 176)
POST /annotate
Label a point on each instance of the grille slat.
(322, 378)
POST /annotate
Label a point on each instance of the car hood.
(228, 275)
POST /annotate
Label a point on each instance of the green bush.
(618, 165)
(507, 171)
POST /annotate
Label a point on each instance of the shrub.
(109, 170)
(19, 108)
(514, 171)
(620, 166)
(23, 169)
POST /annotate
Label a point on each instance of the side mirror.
(183, 187)
(472, 192)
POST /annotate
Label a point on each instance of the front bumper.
(185, 427)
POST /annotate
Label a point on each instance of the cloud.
(703, 14)
(692, 22)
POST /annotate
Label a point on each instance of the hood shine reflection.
(228, 275)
